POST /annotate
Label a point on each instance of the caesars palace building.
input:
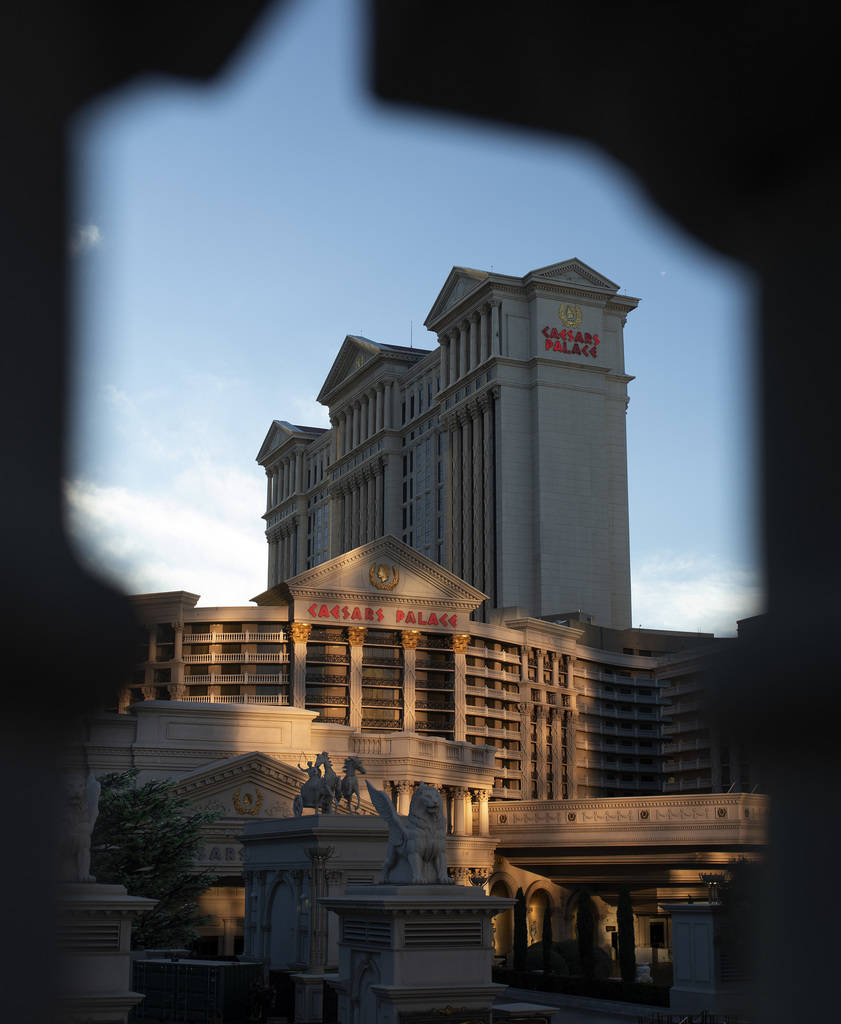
(449, 600)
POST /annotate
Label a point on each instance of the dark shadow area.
(723, 111)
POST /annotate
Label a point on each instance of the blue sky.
(226, 238)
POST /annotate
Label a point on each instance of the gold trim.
(378, 575)
(248, 805)
(570, 316)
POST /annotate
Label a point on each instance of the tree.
(146, 839)
(521, 936)
(546, 937)
(585, 930)
(627, 946)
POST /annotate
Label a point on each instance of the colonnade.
(458, 805)
(284, 479)
(469, 343)
(358, 506)
(365, 416)
(471, 474)
(284, 559)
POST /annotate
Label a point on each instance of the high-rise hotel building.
(500, 454)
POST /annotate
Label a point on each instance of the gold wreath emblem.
(248, 804)
(570, 316)
(379, 577)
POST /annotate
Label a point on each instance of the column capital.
(299, 631)
(356, 635)
(461, 641)
(177, 626)
(404, 786)
(474, 317)
(410, 638)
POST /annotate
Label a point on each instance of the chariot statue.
(318, 791)
(348, 787)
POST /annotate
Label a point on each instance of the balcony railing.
(243, 678)
(382, 702)
(238, 698)
(274, 658)
(314, 698)
(428, 705)
(381, 723)
(368, 659)
(233, 638)
(432, 727)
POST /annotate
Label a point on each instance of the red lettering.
(554, 333)
(548, 344)
(453, 621)
(565, 349)
(379, 615)
(324, 612)
(334, 611)
(593, 351)
(345, 612)
(579, 337)
(369, 614)
(588, 337)
(313, 610)
(546, 331)
(433, 619)
(410, 617)
(586, 350)
(558, 346)
(400, 615)
(576, 351)
(421, 621)
(356, 614)
(596, 340)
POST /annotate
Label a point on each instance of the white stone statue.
(81, 809)
(417, 842)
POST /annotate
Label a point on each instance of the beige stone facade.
(501, 454)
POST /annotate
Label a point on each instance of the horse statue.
(349, 785)
(317, 792)
(331, 779)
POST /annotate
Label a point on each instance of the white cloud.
(204, 537)
(84, 238)
(693, 593)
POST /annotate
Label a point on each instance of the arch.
(538, 899)
(503, 923)
(279, 923)
(363, 998)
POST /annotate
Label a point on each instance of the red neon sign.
(581, 344)
(362, 613)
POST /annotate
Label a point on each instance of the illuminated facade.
(500, 454)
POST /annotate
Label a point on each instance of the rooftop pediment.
(280, 432)
(460, 282)
(573, 272)
(356, 352)
(385, 583)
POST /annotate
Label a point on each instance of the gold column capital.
(299, 631)
(356, 635)
(410, 638)
(461, 641)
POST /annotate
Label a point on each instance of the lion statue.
(417, 842)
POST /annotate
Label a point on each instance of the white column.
(372, 405)
(475, 356)
(380, 510)
(460, 642)
(387, 406)
(404, 796)
(409, 640)
(484, 820)
(463, 347)
(299, 631)
(453, 357)
(540, 753)
(484, 332)
(299, 472)
(525, 747)
(496, 310)
(459, 823)
(466, 501)
(488, 492)
(444, 354)
(356, 638)
(478, 520)
(555, 659)
(455, 491)
(379, 409)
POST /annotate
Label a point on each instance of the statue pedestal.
(94, 935)
(407, 953)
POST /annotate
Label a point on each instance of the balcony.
(381, 723)
(239, 698)
(314, 698)
(685, 726)
(326, 659)
(233, 638)
(428, 705)
(274, 658)
(486, 730)
(382, 702)
(243, 678)
(432, 727)
(370, 659)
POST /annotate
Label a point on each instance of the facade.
(380, 640)
(500, 454)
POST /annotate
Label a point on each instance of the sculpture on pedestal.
(80, 813)
(417, 842)
(348, 787)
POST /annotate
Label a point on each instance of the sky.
(226, 237)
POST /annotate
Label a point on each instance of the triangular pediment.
(280, 432)
(244, 787)
(384, 576)
(573, 272)
(461, 281)
(355, 354)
